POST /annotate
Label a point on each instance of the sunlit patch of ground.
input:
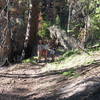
(73, 61)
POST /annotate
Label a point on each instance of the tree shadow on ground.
(15, 97)
(26, 66)
(90, 92)
(80, 70)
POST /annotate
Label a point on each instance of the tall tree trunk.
(69, 18)
(32, 29)
(87, 25)
(5, 46)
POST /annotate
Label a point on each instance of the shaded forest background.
(72, 24)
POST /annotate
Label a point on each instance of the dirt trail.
(28, 82)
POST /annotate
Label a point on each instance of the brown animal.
(42, 50)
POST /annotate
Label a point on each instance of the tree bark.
(5, 46)
(69, 18)
(32, 29)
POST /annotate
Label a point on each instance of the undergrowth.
(71, 73)
(68, 54)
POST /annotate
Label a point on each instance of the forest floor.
(75, 81)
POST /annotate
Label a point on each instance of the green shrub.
(68, 54)
(30, 60)
(43, 31)
(71, 72)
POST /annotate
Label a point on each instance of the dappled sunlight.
(49, 50)
(51, 85)
(72, 62)
(77, 86)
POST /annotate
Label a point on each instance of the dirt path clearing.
(28, 82)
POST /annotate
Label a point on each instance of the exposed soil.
(28, 82)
